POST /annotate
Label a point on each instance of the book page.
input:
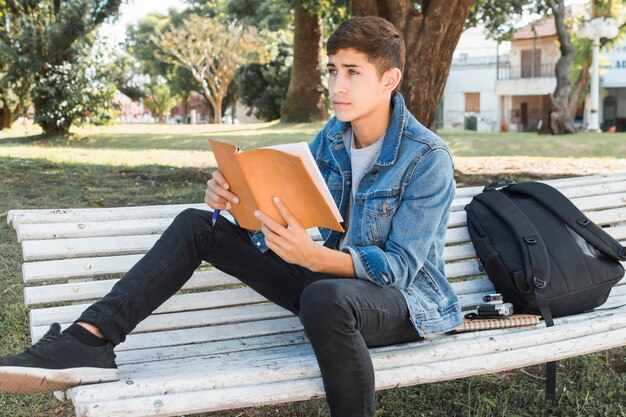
(302, 150)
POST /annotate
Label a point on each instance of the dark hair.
(373, 36)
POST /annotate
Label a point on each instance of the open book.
(287, 171)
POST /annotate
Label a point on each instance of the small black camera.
(495, 310)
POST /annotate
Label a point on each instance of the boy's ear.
(391, 78)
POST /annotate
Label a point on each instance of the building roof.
(543, 28)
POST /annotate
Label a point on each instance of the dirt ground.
(534, 166)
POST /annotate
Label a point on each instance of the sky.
(130, 12)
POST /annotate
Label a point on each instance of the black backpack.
(542, 253)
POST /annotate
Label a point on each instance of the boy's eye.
(353, 72)
(332, 71)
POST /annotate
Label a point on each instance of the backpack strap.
(564, 209)
(527, 235)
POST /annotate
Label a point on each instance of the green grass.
(186, 146)
(581, 145)
(593, 385)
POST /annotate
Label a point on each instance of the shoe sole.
(22, 380)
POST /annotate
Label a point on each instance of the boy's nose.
(339, 86)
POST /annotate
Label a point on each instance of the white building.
(613, 79)
(525, 83)
(470, 101)
(509, 90)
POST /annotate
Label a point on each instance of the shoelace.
(44, 340)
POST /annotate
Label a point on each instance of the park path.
(538, 165)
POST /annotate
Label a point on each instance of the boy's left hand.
(293, 243)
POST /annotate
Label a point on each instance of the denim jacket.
(399, 214)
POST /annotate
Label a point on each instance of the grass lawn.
(187, 146)
(146, 165)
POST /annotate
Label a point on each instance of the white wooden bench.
(218, 345)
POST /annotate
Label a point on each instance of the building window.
(472, 102)
(531, 63)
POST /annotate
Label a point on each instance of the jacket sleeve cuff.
(358, 265)
(258, 239)
(370, 263)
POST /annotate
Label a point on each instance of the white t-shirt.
(361, 161)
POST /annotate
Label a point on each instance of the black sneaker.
(55, 363)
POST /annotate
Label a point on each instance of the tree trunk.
(185, 106)
(7, 117)
(305, 95)
(559, 118)
(434, 32)
(580, 87)
(217, 110)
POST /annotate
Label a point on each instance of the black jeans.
(341, 317)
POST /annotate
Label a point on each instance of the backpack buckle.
(530, 239)
(583, 221)
(499, 184)
(539, 283)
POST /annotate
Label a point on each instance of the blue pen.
(216, 214)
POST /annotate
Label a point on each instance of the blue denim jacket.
(399, 215)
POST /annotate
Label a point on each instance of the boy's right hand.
(217, 195)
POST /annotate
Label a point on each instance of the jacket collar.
(391, 141)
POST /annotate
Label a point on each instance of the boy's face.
(356, 90)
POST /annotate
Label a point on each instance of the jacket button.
(385, 277)
(423, 326)
(360, 202)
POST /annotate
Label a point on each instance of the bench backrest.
(75, 256)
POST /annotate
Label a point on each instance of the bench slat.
(16, 217)
(209, 348)
(34, 250)
(211, 333)
(560, 183)
(91, 290)
(573, 193)
(196, 318)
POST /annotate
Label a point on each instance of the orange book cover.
(287, 171)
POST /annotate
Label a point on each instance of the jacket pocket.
(379, 211)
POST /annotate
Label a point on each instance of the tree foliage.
(47, 44)
(159, 98)
(272, 15)
(262, 87)
(212, 51)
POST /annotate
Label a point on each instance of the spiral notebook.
(514, 320)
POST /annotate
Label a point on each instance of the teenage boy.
(393, 182)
